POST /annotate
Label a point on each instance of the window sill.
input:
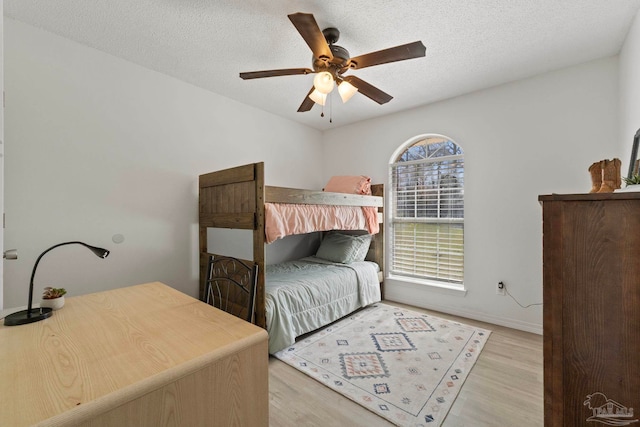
(448, 288)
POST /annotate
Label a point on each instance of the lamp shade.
(323, 82)
(318, 98)
(346, 91)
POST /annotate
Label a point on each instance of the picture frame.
(634, 161)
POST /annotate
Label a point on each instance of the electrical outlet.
(500, 289)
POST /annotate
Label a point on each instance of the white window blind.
(427, 224)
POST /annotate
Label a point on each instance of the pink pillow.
(349, 184)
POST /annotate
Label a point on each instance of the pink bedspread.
(283, 219)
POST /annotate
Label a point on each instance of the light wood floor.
(503, 389)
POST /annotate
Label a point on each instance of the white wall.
(629, 91)
(97, 146)
(523, 139)
(1, 152)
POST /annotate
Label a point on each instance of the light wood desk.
(145, 355)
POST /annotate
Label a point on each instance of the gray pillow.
(343, 248)
(362, 242)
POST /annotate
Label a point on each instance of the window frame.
(393, 219)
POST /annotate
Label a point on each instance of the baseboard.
(470, 314)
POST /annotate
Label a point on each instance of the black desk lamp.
(34, 315)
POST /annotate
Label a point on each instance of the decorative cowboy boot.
(610, 176)
(618, 165)
(596, 176)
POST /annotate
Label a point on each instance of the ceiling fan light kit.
(323, 82)
(331, 61)
(318, 97)
(346, 90)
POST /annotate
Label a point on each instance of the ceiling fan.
(331, 61)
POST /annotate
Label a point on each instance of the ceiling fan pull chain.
(331, 109)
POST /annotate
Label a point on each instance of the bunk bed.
(237, 198)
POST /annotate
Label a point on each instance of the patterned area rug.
(405, 366)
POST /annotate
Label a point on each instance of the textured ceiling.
(471, 44)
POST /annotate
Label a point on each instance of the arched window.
(427, 211)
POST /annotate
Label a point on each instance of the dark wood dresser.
(591, 286)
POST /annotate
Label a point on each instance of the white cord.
(513, 298)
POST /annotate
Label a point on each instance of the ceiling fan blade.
(308, 28)
(274, 73)
(368, 90)
(393, 54)
(307, 104)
